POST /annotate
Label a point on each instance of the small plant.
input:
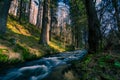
(3, 58)
(117, 64)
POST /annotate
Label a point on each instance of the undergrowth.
(20, 43)
(102, 66)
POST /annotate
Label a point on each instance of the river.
(39, 69)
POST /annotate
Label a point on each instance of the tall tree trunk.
(116, 7)
(4, 8)
(51, 13)
(44, 39)
(13, 7)
(93, 26)
(29, 11)
(20, 10)
(39, 15)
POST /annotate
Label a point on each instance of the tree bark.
(93, 26)
(116, 5)
(30, 1)
(44, 39)
(20, 10)
(51, 13)
(13, 7)
(39, 15)
(4, 8)
(53, 10)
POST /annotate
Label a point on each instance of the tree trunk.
(4, 8)
(44, 39)
(51, 13)
(39, 15)
(93, 26)
(53, 17)
(116, 5)
(29, 11)
(13, 7)
(20, 10)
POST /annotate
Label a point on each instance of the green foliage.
(105, 60)
(0, 51)
(12, 41)
(26, 55)
(78, 22)
(88, 59)
(57, 44)
(3, 57)
(70, 47)
(49, 50)
(104, 66)
(107, 77)
(117, 64)
(21, 40)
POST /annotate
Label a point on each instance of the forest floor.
(20, 43)
(101, 66)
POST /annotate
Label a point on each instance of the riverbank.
(101, 66)
(62, 72)
(51, 67)
(20, 43)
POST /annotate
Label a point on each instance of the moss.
(57, 45)
(102, 66)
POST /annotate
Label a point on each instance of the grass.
(20, 43)
(56, 45)
(102, 66)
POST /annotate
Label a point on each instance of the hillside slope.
(20, 43)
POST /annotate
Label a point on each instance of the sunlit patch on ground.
(57, 47)
(18, 29)
(35, 51)
(11, 54)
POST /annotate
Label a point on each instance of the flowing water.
(38, 69)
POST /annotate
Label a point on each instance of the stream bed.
(39, 69)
